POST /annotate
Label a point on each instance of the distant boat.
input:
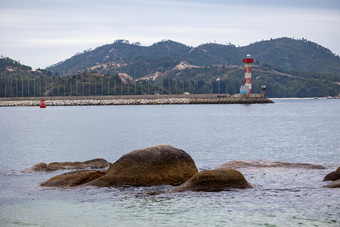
(42, 104)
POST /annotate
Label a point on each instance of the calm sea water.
(290, 130)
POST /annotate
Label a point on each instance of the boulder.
(42, 166)
(269, 164)
(334, 184)
(333, 176)
(214, 181)
(73, 179)
(90, 164)
(157, 165)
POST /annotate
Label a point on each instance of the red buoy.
(42, 104)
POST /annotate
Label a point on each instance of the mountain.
(116, 56)
(17, 80)
(166, 48)
(214, 54)
(8, 65)
(294, 55)
(113, 54)
(284, 54)
(289, 68)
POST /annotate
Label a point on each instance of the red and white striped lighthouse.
(247, 71)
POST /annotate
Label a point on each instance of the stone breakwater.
(135, 100)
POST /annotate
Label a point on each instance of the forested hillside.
(289, 68)
(285, 54)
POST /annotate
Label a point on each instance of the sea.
(290, 130)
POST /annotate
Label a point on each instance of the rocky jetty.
(73, 179)
(214, 181)
(269, 164)
(137, 100)
(54, 166)
(157, 165)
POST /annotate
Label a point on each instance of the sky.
(39, 33)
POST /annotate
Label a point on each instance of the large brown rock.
(333, 176)
(157, 165)
(214, 181)
(73, 179)
(90, 164)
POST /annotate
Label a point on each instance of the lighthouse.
(248, 61)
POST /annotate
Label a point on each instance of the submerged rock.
(269, 164)
(90, 164)
(73, 179)
(214, 180)
(333, 176)
(157, 165)
(334, 184)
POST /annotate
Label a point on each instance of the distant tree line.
(96, 85)
(17, 80)
(79, 85)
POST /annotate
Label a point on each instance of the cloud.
(57, 29)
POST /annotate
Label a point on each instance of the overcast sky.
(40, 33)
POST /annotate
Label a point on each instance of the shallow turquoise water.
(289, 130)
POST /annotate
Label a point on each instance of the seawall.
(135, 100)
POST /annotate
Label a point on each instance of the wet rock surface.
(54, 166)
(214, 181)
(163, 165)
(157, 165)
(269, 164)
(333, 176)
(73, 179)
